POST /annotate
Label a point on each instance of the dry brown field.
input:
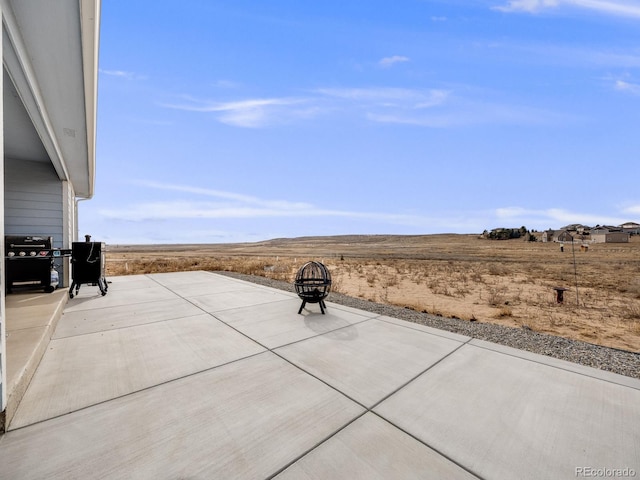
(506, 282)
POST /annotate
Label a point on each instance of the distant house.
(610, 237)
(632, 228)
(609, 234)
(558, 236)
(600, 229)
(577, 227)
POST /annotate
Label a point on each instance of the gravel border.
(604, 358)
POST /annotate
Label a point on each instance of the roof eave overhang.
(27, 64)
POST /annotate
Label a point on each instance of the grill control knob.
(11, 254)
(33, 254)
(22, 254)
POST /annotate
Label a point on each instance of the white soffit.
(55, 77)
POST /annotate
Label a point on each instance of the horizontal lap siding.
(33, 200)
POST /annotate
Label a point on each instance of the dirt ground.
(507, 282)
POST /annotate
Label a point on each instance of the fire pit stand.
(313, 283)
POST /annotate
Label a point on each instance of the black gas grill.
(29, 262)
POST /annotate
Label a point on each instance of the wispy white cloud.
(624, 8)
(221, 194)
(120, 74)
(264, 112)
(531, 6)
(430, 121)
(632, 209)
(250, 113)
(230, 205)
(226, 84)
(564, 55)
(387, 62)
(198, 209)
(431, 108)
(388, 96)
(256, 113)
(463, 112)
(632, 88)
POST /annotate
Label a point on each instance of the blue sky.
(238, 120)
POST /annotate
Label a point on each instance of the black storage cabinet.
(88, 266)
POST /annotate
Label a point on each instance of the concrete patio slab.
(32, 309)
(557, 363)
(199, 289)
(203, 283)
(505, 417)
(119, 285)
(372, 448)
(22, 357)
(176, 279)
(242, 297)
(278, 323)
(90, 298)
(31, 321)
(369, 361)
(80, 371)
(311, 308)
(245, 420)
(426, 329)
(80, 322)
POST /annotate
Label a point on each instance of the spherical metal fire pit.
(313, 283)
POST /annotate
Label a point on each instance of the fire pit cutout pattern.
(313, 284)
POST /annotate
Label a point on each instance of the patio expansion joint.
(311, 449)
(370, 409)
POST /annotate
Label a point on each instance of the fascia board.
(90, 27)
